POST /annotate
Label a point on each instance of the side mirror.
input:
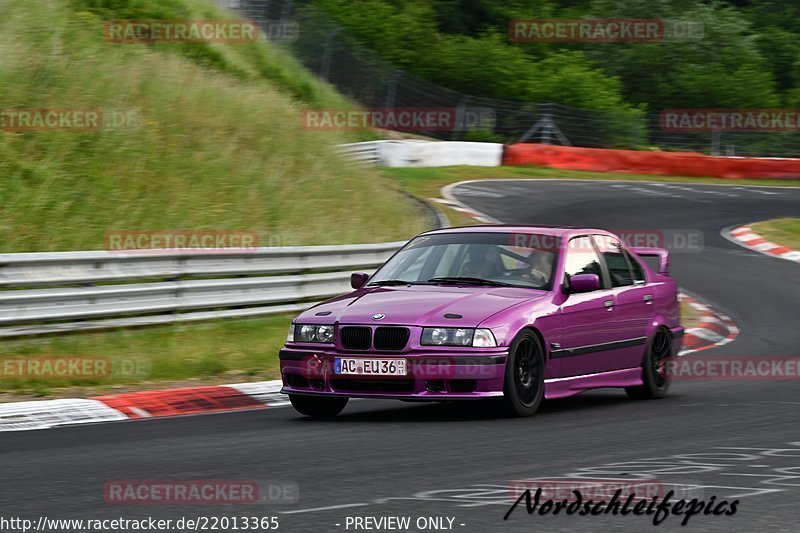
(358, 280)
(584, 283)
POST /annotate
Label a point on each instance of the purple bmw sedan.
(520, 313)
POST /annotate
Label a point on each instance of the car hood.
(420, 305)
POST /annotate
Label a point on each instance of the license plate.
(369, 367)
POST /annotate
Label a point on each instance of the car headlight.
(312, 333)
(457, 337)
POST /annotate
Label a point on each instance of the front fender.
(545, 320)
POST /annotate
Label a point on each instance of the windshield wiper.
(469, 281)
(387, 282)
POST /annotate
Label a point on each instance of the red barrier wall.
(664, 163)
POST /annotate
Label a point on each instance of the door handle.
(647, 298)
(608, 304)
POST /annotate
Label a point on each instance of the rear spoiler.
(661, 253)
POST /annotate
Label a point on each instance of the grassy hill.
(218, 142)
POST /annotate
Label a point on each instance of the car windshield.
(486, 259)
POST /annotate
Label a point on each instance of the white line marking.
(330, 508)
(641, 190)
(695, 190)
(590, 181)
(475, 191)
(755, 190)
(447, 192)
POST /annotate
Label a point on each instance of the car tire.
(654, 368)
(523, 390)
(318, 406)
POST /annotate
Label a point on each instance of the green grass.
(247, 61)
(220, 143)
(690, 317)
(783, 231)
(225, 351)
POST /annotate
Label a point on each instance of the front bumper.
(444, 375)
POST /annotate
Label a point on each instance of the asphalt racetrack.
(732, 439)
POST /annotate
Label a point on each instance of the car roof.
(540, 229)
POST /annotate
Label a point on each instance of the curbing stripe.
(267, 392)
(44, 414)
(715, 329)
(25, 416)
(745, 236)
(186, 401)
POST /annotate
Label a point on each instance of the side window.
(582, 258)
(618, 267)
(636, 269)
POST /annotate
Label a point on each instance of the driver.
(483, 263)
(539, 268)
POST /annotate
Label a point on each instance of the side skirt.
(572, 385)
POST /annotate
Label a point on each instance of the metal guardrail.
(367, 152)
(69, 268)
(69, 291)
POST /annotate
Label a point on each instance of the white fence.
(411, 153)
